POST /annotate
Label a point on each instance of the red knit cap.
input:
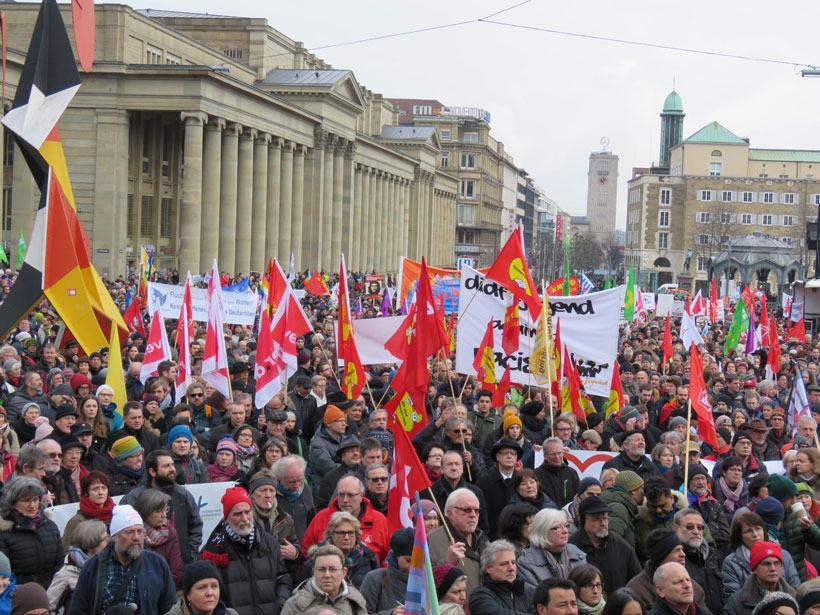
(232, 497)
(762, 550)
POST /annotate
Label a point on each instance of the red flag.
(668, 351)
(713, 301)
(571, 391)
(764, 323)
(353, 377)
(510, 269)
(484, 362)
(215, 357)
(511, 333)
(133, 317)
(773, 357)
(616, 393)
(407, 478)
(184, 335)
(315, 285)
(157, 349)
(699, 399)
(748, 298)
(500, 393)
(82, 16)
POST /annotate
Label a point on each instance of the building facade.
(602, 193)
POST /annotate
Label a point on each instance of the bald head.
(673, 585)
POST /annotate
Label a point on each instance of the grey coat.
(746, 598)
(384, 587)
(534, 568)
(321, 460)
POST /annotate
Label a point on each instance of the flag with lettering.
(353, 376)
(421, 597)
(699, 398)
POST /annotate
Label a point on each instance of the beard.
(602, 534)
(164, 481)
(132, 552)
(692, 543)
(243, 529)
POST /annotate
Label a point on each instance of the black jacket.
(497, 493)
(616, 560)
(36, 554)
(643, 467)
(441, 490)
(560, 483)
(499, 598)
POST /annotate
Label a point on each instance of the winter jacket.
(715, 519)
(644, 588)
(441, 490)
(643, 467)
(533, 567)
(36, 554)
(497, 492)
(616, 558)
(624, 512)
(793, 538)
(375, 533)
(300, 507)
(121, 481)
(322, 458)
(743, 500)
(662, 608)
(16, 403)
(155, 588)
(62, 586)
(254, 579)
(736, 570)
(307, 595)
(359, 563)
(180, 608)
(499, 598)
(438, 542)
(183, 513)
(746, 598)
(646, 521)
(168, 549)
(703, 566)
(484, 426)
(560, 483)
(384, 587)
(190, 471)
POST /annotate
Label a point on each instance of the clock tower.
(602, 191)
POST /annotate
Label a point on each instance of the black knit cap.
(660, 544)
(196, 571)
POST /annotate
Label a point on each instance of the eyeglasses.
(196, 395)
(693, 526)
(560, 526)
(55, 455)
(348, 496)
(459, 431)
(468, 510)
(324, 571)
(344, 533)
(378, 479)
(29, 500)
(597, 585)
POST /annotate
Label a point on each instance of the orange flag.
(353, 377)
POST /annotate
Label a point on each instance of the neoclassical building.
(210, 136)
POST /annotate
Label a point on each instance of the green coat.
(794, 539)
(624, 511)
(645, 522)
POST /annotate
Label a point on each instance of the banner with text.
(240, 308)
(589, 329)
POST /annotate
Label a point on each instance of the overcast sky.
(552, 96)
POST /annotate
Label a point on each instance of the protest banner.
(240, 308)
(444, 282)
(589, 329)
(648, 301)
(371, 335)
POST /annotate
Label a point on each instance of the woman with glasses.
(732, 490)
(160, 535)
(589, 589)
(549, 554)
(327, 586)
(344, 532)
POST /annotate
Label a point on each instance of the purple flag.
(751, 346)
(386, 303)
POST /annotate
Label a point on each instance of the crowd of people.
(671, 524)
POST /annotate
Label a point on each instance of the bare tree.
(612, 253)
(713, 228)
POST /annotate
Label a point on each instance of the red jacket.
(375, 533)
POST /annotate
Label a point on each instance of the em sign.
(474, 112)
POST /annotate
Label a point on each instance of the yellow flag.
(542, 361)
(115, 377)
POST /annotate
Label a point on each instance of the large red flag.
(699, 399)
(407, 478)
(353, 377)
(510, 269)
(484, 361)
(184, 335)
(215, 357)
(511, 333)
(773, 357)
(133, 317)
(668, 351)
(504, 385)
(315, 285)
(157, 349)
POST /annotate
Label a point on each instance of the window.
(166, 217)
(172, 59)
(603, 167)
(768, 197)
(445, 135)
(703, 240)
(663, 218)
(703, 263)
(6, 208)
(468, 161)
(716, 153)
(467, 188)
(746, 218)
(815, 198)
(233, 54)
(726, 196)
(663, 241)
(789, 241)
(705, 195)
(766, 219)
(703, 216)
(8, 148)
(153, 55)
(471, 137)
(783, 176)
(725, 217)
(788, 198)
(147, 146)
(466, 214)
(147, 216)
(445, 159)
(748, 197)
(167, 149)
(666, 196)
(129, 216)
(763, 175)
(789, 220)
(715, 168)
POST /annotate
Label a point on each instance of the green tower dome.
(673, 103)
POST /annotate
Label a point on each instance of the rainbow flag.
(420, 598)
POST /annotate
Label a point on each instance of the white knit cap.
(124, 517)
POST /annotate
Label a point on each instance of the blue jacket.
(155, 587)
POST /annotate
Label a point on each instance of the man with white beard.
(633, 455)
(701, 559)
(249, 559)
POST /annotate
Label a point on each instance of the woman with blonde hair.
(344, 531)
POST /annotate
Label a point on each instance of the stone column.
(405, 208)
(356, 221)
(244, 203)
(211, 194)
(312, 225)
(378, 220)
(272, 210)
(372, 222)
(298, 204)
(326, 231)
(349, 195)
(414, 216)
(337, 224)
(364, 253)
(438, 225)
(285, 203)
(259, 258)
(395, 224)
(227, 201)
(191, 205)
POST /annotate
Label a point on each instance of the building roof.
(160, 14)
(304, 77)
(715, 133)
(784, 155)
(411, 133)
(673, 103)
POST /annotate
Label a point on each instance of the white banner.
(648, 301)
(207, 497)
(371, 335)
(589, 328)
(240, 308)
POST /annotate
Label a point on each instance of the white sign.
(589, 329)
(240, 308)
(371, 335)
(648, 301)
(664, 305)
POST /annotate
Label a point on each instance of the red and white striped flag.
(157, 349)
(184, 334)
(215, 357)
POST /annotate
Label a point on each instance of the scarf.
(732, 495)
(290, 496)
(431, 474)
(78, 556)
(245, 541)
(218, 475)
(662, 519)
(808, 479)
(695, 499)
(243, 452)
(559, 566)
(93, 511)
(25, 521)
(138, 474)
(215, 551)
(586, 609)
(156, 536)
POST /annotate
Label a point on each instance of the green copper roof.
(715, 133)
(784, 155)
(673, 103)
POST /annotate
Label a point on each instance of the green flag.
(566, 267)
(607, 283)
(629, 295)
(21, 250)
(740, 323)
(3, 257)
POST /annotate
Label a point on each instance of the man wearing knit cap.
(664, 547)
(123, 463)
(610, 553)
(674, 587)
(624, 420)
(249, 559)
(797, 529)
(700, 498)
(30, 599)
(702, 560)
(633, 455)
(808, 597)
(190, 471)
(324, 446)
(624, 497)
(274, 520)
(109, 579)
(766, 563)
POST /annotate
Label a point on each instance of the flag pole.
(549, 337)
(440, 514)
(686, 442)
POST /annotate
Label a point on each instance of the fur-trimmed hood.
(680, 504)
